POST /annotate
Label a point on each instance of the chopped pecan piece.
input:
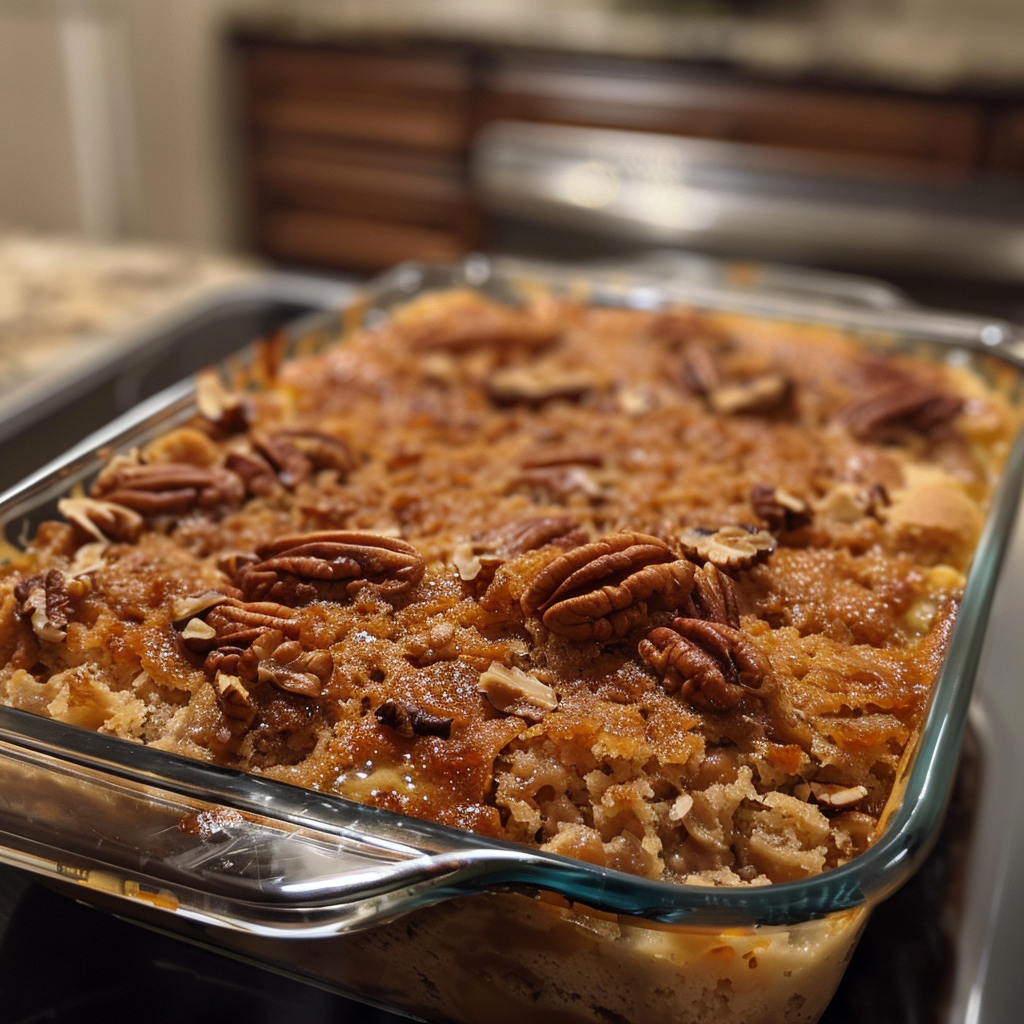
(522, 535)
(849, 503)
(227, 660)
(330, 565)
(229, 410)
(170, 488)
(681, 807)
(104, 520)
(466, 562)
(515, 692)
(730, 548)
(636, 401)
(188, 607)
(604, 589)
(408, 720)
(197, 634)
(781, 510)
(896, 407)
(546, 457)
(533, 385)
(710, 664)
(761, 394)
(88, 559)
(832, 795)
(696, 369)
(233, 699)
(45, 601)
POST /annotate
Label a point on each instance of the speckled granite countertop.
(61, 297)
(928, 45)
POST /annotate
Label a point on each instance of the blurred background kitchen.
(159, 159)
(884, 136)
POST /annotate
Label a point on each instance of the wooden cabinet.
(356, 158)
(357, 155)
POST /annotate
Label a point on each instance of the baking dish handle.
(87, 811)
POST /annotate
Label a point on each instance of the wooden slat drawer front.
(1005, 153)
(443, 128)
(936, 132)
(403, 98)
(359, 188)
(298, 236)
(282, 69)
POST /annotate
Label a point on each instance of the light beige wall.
(38, 183)
(183, 123)
(114, 119)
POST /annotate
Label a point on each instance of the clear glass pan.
(214, 847)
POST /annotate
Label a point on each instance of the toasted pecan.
(602, 590)
(330, 565)
(710, 664)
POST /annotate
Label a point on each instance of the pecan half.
(713, 597)
(473, 324)
(287, 666)
(45, 601)
(239, 624)
(730, 548)
(297, 454)
(558, 483)
(408, 720)
(212, 625)
(906, 404)
(331, 565)
(522, 535)
(255, 472)
(710, 664)
(604, 589)
(170, 488)
(781, 510)
(104, 520)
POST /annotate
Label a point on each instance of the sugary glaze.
(663, 591)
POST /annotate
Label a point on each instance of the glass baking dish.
(445, 924)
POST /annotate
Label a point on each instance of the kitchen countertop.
(924, 45)
(60, 295)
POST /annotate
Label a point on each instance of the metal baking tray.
(277, 863)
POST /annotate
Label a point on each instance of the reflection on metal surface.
(750, 200)
(590, 184)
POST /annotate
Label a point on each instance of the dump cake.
(663, 591)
